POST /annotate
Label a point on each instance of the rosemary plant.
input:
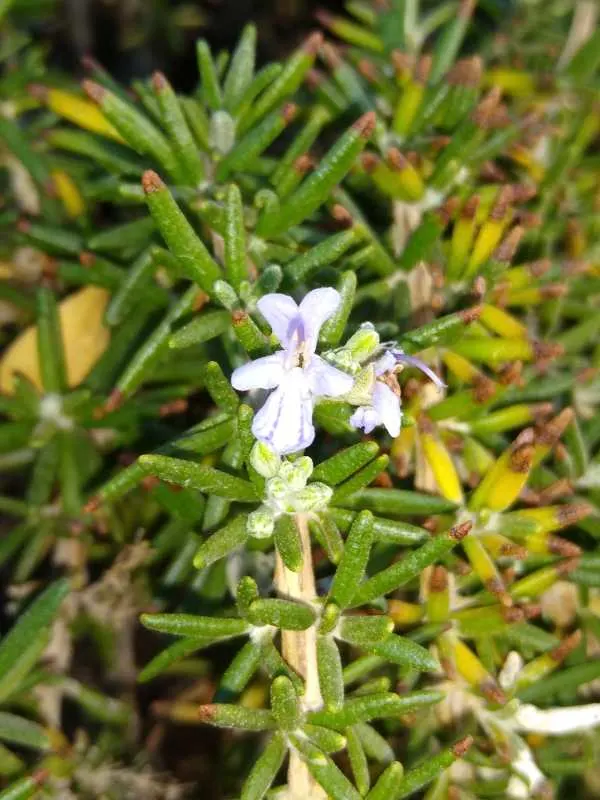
(300, 370)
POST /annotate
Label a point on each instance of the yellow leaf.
(85, 339)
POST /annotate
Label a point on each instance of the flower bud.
(225, 294)
(314, 497)
(264, 460)
(342, 359)
(261, 523)
(277, 489)
(361, 393)
(296, 473)
(363, 343)
(222, 132)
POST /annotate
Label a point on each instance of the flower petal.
(318, 306)
(326, 380)
(264, 373)
(411, 361)
(285, 420)
(387, 406)
(279, 310)
(557, 721)
(364, 418)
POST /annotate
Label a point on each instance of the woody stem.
(299, 648)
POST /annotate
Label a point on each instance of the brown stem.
(299, 648)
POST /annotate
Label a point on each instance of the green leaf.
(208, 74)
(333, 329)
(329, 665)
(388, 783)
(398, 501)
(192, 626)
(222, 542)
(22, 790)
(420, 776)
(360, 479)
(22, 645)
(364, 631)
(179, 132)
(20, 731)
(406, 653)
(225, 715)
(281, 614)
(265, 768)
(197, 476)
(323, 254)
(240, 671)
(410, 566)
(195, 260)
(374, 706)
(324, 771)
(241, 69)
(342, 465)
(220, 388)
(236, 266)
(288, 543)
(285, 705)
(51, 357)
(285, 84)
(353, 562)
(134, 127)
(315, 189)
(358, 761)
(171, 655)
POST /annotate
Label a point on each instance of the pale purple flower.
(296, 373)
(385, 408)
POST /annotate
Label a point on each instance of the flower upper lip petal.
(317, 307)
(279, 310)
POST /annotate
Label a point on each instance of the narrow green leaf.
(342, 465)
(180, 134)
(358, 761)
(236, 266)
(208, 75)
(224, 715)
(185, 244)
(265, 768)
(24, 732)
(175, 652)
(281, 614)
(198, 476)
(410, 566)
(241, 69)
(287, 542)
(406, 653)
(205, 326)
(420, 776)
(388, 783)
(315, 189)
(353, 562)
(21, 645)
(374, 706)
(285, 705)
(329, 665)
(51, 357)
(333, 329)
(222, 542)
(192, 626)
